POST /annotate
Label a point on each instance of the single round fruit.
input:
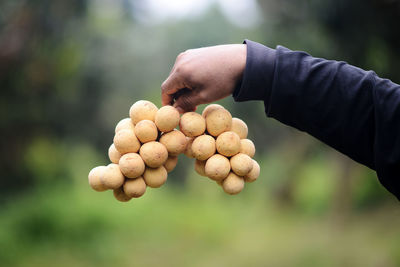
(112, 177)
(199, 167)
(155, 177)
(254, 173)
(120, 195)
(167, 118)
(113, 154)
(146, 131)
(171, 162)
(239, 127)
(188, 150)
(241, 164)
(192, 124)
(125, 141)
(124, 124)
(218, 121)
(142, 110)
(154, 154)
(135, 187)
(174, 141)
(94, 179)
(131, 165)
(203, 147)
(217, 167)
(233, 184)
(247, 147)
(210, 108)
(228, 144)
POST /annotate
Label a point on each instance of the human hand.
(203, 75)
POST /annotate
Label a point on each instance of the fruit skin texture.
(203, 147)
(241, 164)
(175, 142)
(217, 167)
(131, 165)
(94, 179)
(171, 163)
(142, 110)
(124, 124)
(233, 184)
(120, 195)
(113, 154)
(167, 118)
(146, 131)
(254, 173)
(188, 150)
(218, 121)
(112, 177)
(154, 154)
(210, 108)
(247, 147)
(199, 167)
(135, 187)
(155, 177)
(228, 144)
(192, 124)
(239, 127)
(125, 141)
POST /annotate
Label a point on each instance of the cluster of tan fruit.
(147, 144)
(218, 143)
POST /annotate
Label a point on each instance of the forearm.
(350, 109)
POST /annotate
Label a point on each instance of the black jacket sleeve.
(351, 110)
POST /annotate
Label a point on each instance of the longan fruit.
(94, 179)
(174, 141)
(228, 144)
(188, 150)
(247, 147)
(124, 124)
(120, 195)
(239, 127)
(142, 110)
(155, 177)
(131, 165)
(199, 167)
(210, 108)
(254, 173)
(233, 184)
(203, 147)
(125, 141)
(167, 118)
(192, 124)
(154, 154)
(113, 154)
(241, 164)
(135, 187)
(112, 177)
(218, 121)
(146, 131)
(171, 162)
(217, 167)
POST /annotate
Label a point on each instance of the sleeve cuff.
(258, 75)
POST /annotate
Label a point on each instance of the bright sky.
(234, 10)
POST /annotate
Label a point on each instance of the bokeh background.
(69, 71)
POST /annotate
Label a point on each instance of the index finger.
(169, 87)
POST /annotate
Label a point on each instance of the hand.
(203, 75)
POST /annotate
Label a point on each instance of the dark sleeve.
(350, 109)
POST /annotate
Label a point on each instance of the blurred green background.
(69, 71)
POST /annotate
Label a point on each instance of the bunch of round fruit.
(144, 150)
(220, 146)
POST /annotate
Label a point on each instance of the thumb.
(187, 101)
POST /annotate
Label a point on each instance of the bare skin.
(203, 75)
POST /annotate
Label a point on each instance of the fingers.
(169, 87)
(188, 101)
